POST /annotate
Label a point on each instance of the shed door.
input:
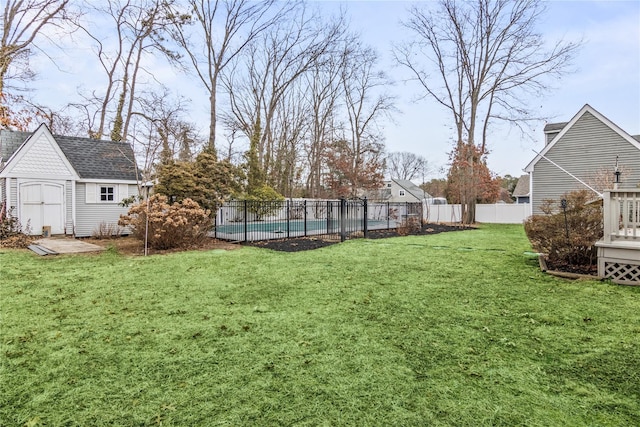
(41, 203)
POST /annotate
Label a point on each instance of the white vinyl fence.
(499, 213)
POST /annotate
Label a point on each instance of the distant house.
(399, 190)
(578, 154)
(72, 185)
(521, 193)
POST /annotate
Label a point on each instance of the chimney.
(551, 130)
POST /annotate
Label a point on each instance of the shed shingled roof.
(91, 158)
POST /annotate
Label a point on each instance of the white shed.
(67, 185)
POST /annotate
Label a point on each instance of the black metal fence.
(248, 220)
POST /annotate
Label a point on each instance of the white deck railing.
(621, 215)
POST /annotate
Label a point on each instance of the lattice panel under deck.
(628, 274)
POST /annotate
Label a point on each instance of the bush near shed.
(11, 234)
(180, 225)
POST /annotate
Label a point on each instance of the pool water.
(294, 226)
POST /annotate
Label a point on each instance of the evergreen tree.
(206, 181)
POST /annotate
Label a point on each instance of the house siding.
(412, 193)
(397, 198)
(588, 147)
(90, 215)
(13, 195)
(68, 212)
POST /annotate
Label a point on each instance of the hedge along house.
(72, 185)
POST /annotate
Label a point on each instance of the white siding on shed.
(42, 160)
(90, 214)
(68, 226)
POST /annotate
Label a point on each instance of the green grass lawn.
(452, 329)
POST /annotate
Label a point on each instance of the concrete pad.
(68, 245)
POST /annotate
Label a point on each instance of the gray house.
(581, 154)
(400, 190)
(72, 185)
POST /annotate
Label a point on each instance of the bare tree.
(272, 92)
(22, 22)
(323, 93)
(406, 165)
(223, 28)
(366, 102)
(290, 128)
(59, 121)
(487, 57)
(164, 132)
(139, 28)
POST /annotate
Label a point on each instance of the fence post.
(328, 216)
(305, 217)
(245, 220)
(343, 219)
(215, 223)
(388, 214)
(288, 216)
(365, 209)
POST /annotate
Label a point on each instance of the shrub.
(11, 234)
(264, 201)
(584, 227)
(106, 230)
(180, 225)
(409, 226)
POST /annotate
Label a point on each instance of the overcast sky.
(607, 76)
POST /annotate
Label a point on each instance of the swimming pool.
(266, 230)
(329, 226)
(236, 219)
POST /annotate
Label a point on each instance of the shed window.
(107, 194)
(401, 192)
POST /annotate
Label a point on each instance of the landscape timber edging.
(565, 275)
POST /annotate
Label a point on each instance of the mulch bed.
(315, 242)
(578, 270)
